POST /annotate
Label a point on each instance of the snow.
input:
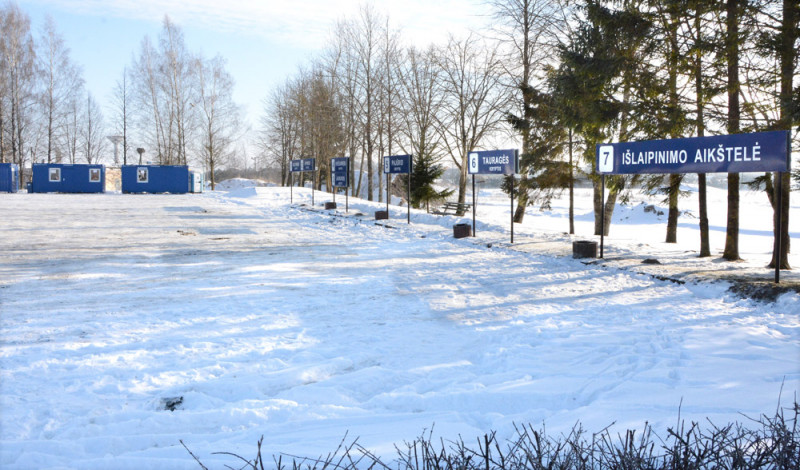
(238, 183)
(302, 325)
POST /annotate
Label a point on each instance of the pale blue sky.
(264, 41)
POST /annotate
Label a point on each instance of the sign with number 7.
(606, 163)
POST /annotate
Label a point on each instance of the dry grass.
(768, 442)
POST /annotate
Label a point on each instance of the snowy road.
(273, 320)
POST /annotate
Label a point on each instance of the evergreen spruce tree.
(601, 59)
(732, 40)
(787, 52)
(424, 172)
(545, 173)
(700, 56)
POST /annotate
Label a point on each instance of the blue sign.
(304, 164)
(340, 165)
(340, 175)
(397, 164)
(494, 162)
(736, 153)
(340, 180)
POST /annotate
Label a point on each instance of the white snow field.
(271, 319)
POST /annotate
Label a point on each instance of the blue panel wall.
(9, 177)
(155, 179)
(65, 178)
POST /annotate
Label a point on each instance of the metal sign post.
(408, 188)
(398, 164)
(386, 172)
(474, 226)
(340, 176)
(512, 208)
(310, 164)
(758, 152)
(778, 224)
(494, 162)
(295, 166)
(602, 213)
(300, 166)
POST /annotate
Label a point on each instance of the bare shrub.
(768, 442)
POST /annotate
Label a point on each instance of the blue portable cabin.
(9, 178)
(155, 179)
(196, 182)
(68, 178)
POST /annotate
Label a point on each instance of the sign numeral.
(606, 159)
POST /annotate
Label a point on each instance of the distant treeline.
(173, 104)
(554, 78)
(551, 77)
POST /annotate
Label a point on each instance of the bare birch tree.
(178, 85)
(474, 101)
(147, 99)
(165, 94)
(279, 130)
(93, 140)
(388, 94)
(121, 112)
(363, 35)
(18, 74)
(71, 125)
(422, 101)
(344, 66)
(530, 31)
(62, 82)
(220, 117)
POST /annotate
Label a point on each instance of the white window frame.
(54, 175)
(95, 176)
(142, 171)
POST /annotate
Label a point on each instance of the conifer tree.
(545, 175)
(604, 57)
(670, 14)
(531, 30)
(425, 171)
(700, 46)
(732, 38)
(787, 51)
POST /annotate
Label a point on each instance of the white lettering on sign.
(718, 154)
(655, 157)
(727, 154)
(397, 164)
(755, 152)
(499, 160)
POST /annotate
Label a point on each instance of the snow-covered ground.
(237, 183)
(302, 325)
